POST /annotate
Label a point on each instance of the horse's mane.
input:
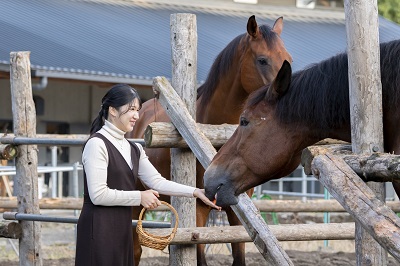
(223, 63)
(319, 95)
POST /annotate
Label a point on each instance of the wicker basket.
(152, 241)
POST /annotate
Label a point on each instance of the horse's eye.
(262, 61)
(243, 122)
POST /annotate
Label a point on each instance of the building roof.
(129, 41)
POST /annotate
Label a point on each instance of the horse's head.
(259, 137)
(264, 53)
(249, 61)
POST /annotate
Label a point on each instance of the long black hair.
(116, 97)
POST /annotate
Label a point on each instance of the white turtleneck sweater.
(95, 162)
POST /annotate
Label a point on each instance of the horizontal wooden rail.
(262, 205)
(207, 235)
(8, 152)
(235, 234)
(165, 135)
(46, 203)
(377, 167)
(10, 229)
(157, 135)
(309, 205)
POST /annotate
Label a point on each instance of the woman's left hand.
(200, 193)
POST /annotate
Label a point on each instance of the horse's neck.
(316, 134)
(225, 105)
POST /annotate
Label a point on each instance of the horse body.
(294, 112)
(248, 62)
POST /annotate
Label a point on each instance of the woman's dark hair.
(116, 97)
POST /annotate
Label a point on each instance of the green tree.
(389, 9)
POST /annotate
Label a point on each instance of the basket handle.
(174, 212)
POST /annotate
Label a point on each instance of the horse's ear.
(278, 26)
(281, 83)
(252, 27)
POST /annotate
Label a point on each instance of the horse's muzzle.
(217, 187)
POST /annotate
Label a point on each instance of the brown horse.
(294, 112)
(249, 61)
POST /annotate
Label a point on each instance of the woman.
(112, 166)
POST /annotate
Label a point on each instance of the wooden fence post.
(24, 119)
(183, 161)
(365, 90)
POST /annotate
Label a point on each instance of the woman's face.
(125, 117)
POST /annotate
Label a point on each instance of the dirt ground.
(58, 248)
(299, 258)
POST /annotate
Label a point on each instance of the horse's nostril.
(220, 185)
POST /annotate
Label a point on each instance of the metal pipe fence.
(72, 220)
(48, 141)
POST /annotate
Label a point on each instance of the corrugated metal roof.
(106, 40)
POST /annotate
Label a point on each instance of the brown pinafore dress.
(104, 234)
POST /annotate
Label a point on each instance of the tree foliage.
(389, 9)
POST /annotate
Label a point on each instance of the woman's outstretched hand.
(149, 199)
(199, 193)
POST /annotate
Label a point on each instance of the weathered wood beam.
(256, 227)
(26, 183)
(46, 203)
(183, 38)
(8, 152)
(236, 234)
(157, 135)
(329, 141)
(377, 167)
(5, 187)
(311, 152)
(309, 205)
(365, 104)
(10, 229)
(183, 121)
(359, 201)
(261, 205)
(165, 135)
